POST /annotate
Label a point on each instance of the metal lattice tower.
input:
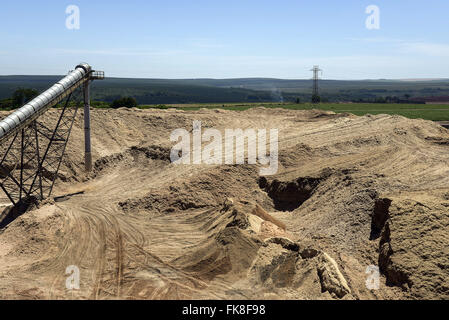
(316, 70)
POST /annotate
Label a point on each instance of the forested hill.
(165, 91)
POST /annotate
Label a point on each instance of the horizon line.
(239, 78)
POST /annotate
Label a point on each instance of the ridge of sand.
(351, 192)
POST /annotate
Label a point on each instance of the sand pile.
(351, 193)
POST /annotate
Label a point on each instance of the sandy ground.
(353, 193)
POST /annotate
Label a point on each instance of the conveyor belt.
(20, 118)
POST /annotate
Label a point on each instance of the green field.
(419, 111)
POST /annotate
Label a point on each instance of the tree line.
(22, 96)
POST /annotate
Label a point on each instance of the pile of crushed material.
(351, 194)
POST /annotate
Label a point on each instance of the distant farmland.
(257, 90)
(241, 94)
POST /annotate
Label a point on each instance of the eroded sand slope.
(350, 191)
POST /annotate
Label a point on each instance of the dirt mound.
(238, 251)
(351, 194)
(413, 250)
(206, 189)
(133, 156)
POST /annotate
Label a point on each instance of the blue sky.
(228, 39)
